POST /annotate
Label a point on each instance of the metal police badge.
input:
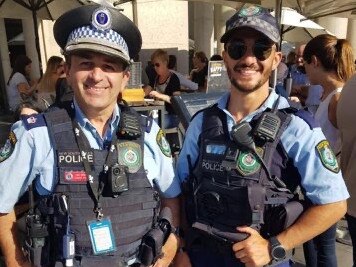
(8, 148)
(101, 19)
(163, 143)
(327, 156)
(247, 163)
(130, 155)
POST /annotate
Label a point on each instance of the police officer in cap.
(100, 172)
(243, 158)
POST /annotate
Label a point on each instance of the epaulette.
(33, 121)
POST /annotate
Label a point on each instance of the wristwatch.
(277, 251)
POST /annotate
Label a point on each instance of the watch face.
(278, 253)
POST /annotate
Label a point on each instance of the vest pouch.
(222, 206)
(281, 217)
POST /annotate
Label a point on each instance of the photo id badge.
(101, 236)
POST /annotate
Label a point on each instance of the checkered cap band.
(90, 34)
(269, 29)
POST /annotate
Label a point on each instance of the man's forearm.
(312, 222)
(8, 242)
(171, 246)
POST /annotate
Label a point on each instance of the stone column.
(204, 27)
(221, 15)
(29, 35)
(4, 52)
(351, 34)
(5, 62)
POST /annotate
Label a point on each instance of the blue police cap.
(255, 17)
(100, 29)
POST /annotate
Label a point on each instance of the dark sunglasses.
(237, 50)
(157, 65)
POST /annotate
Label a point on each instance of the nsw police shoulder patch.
(327, 156)
(8, 148)
(163, 143)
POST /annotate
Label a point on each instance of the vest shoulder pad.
(307, 117)
(204, 110)
(33, 121)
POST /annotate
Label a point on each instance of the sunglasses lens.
(262, 51)
(236, 50)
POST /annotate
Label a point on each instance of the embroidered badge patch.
(250, 10)
(247, 163)
(163, 143)
(130, 155)
(327, 156)
(8, 148)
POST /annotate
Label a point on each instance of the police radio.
(268, 125)
(117, 179)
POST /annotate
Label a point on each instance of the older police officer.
(243, 158)
(96, 167)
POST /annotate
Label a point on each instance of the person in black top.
(165, 85)
(200, 72)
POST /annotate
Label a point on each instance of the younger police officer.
(243, 157)
(96, 167)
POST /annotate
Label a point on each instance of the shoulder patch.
(33, 121)
(8, 148)
(307, 117)
(327, 156)
(163, 143)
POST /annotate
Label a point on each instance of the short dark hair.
(172, 62)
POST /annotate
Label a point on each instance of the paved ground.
(343, 252)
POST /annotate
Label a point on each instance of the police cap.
(100, 29)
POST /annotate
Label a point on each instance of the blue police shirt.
(321, 185)
(28, 155)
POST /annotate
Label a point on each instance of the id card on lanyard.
(101, 236)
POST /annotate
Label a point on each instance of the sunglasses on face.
(261, 50)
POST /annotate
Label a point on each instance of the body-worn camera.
(117, 179)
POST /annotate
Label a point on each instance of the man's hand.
(253, 251)
(182, 260)
(169, 251)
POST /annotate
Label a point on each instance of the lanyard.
(95, 186)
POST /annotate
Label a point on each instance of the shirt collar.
(85, 123)
(269, 102)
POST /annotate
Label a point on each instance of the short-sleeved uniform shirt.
(28, 155)
(302, 143)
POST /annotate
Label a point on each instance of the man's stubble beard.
(245, 90)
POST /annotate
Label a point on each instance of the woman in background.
(46, 87)
(18, 86)
(165, 85)
(328, 61)
(199, 73)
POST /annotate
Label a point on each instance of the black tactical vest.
(229, 186)
(132, 212)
